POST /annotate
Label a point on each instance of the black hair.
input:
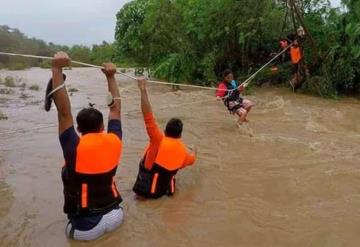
(174, 128)
(227, 72)
(89, 120)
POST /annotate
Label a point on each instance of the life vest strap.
(84, 195)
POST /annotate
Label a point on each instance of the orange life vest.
(160, 180)
(90, 188)
(295, 53)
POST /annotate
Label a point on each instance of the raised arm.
(61, 98)
(153, 130)
(115, 109)
(145, 103)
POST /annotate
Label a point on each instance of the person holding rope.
(297, 61)
(230, 92)
(165, 155)
(91, 197)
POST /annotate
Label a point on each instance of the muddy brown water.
(295, 182)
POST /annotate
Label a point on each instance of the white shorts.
(108, 223)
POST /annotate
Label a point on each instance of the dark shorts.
(295, 68)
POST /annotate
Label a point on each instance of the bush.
(3, 116)
(34, 87)
(24, 96)
(6, 91)
(319, 85)
(18, 66)
(45, 64)
(73, 90)
(10, 81)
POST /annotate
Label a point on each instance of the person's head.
(174, 128)
(90, 120)
(228, 75)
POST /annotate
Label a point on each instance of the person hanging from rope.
(91, 196)
(296, 55)
(230, 92)
(165, 155)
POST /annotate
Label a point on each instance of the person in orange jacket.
(165, 155)
(91, 160)
(296, 60)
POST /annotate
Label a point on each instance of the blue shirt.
(234, 84)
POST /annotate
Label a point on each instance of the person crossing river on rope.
(296, 55)
(230, 92)
(91, 197)
(165, 155)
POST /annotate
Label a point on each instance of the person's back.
(163, 158)
(91, 160)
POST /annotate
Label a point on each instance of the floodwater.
(294, 182)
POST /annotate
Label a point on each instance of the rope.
(245, 83)
(22, 131)
(118, 72)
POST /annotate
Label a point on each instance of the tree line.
(194, 40)
(13, 40)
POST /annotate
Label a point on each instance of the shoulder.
(112, 138)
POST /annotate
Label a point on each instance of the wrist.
(56, 70)
(110, 77)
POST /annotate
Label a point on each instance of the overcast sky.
(66, 22)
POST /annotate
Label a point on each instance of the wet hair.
(89, 120)
(174, 128)
(227, 72)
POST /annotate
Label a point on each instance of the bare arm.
(145, 103)
(115, 110)
(61, 98)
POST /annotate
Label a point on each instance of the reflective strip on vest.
(113, 187)
(172, 154)
(98, 153)
(172, 184)
(84, 196)
(154, 183)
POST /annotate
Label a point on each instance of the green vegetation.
(12, 40)
(9, 82)
(6, 91)
(73, 90)
(195, 40)
(34, 87)
(25, 96)
(3, 116)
